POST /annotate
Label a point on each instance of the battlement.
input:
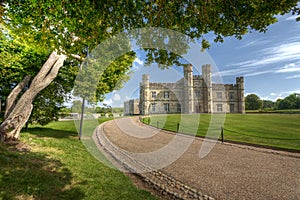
(198, 77)
(240, 79)
(162, 85)
(191, 94)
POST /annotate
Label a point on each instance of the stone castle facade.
(191, 94)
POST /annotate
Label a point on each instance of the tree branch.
(45, 69)
(11, 99)
(77, 57)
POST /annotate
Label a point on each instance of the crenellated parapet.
(191, 94)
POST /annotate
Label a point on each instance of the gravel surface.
(227, 172)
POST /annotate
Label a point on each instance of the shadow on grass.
(30, 175)
(50, 132)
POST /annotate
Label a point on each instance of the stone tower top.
(206, 74)
(146, 77)
(240, 82)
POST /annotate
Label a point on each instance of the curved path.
(227, 172)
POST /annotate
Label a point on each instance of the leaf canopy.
(73, 25)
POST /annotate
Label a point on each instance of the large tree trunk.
(17, 113)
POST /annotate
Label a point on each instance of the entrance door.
(231, 108)
(197, 110)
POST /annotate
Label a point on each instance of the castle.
(190, 94)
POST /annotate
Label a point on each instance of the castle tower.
(188, 106)
(240, 94)
(144, 94)
(207, 89)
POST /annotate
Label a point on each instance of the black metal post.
(178, 127)
(81, 118)
(83, 101)
(222, 134)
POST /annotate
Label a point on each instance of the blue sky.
(270, 63)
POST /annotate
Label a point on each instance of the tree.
(290, 102)
(76, 107)
(65, 28)
(20, 102)
(267, 104)
(253, 102)
(18, 60)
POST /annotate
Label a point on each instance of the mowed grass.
(274, 130)
(60, 167)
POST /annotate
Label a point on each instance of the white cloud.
(116, 97)
(139, 61)
(232, 72)
(257, 42)
(293, 17)
(291, 77)
(292, 67)
(127, 98)
(259, 73)
(107, 102)
(281, 53)
(280, 95)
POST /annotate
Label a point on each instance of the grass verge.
(60, 167)
(273, 130)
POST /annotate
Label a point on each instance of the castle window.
(166, 95)
(167, 107)
(219, 95)
(153, 94)
(197, 93)
(231, 95)
(153, 107)
(178, 107)
(219, 107)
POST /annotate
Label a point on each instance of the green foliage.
(253, 102)
(19, 59)
(71, 26)
(56, 23)
(118, 110)
(268, 105)
(60, 167)
(290, 102)
(76, 106)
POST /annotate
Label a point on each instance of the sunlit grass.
(60, 167)
(277, 130)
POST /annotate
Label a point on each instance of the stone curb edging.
(158, 180)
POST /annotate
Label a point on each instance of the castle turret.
(188, 89)
(240, 94)
(207, 93)
(144, 94)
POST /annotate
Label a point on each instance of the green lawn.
(60, 167)
(277, 130)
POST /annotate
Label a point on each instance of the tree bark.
(11, 99)
(18, 114)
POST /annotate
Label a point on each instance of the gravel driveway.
(229, 171)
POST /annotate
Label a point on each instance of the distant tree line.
(103, 110)
(253, 102)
